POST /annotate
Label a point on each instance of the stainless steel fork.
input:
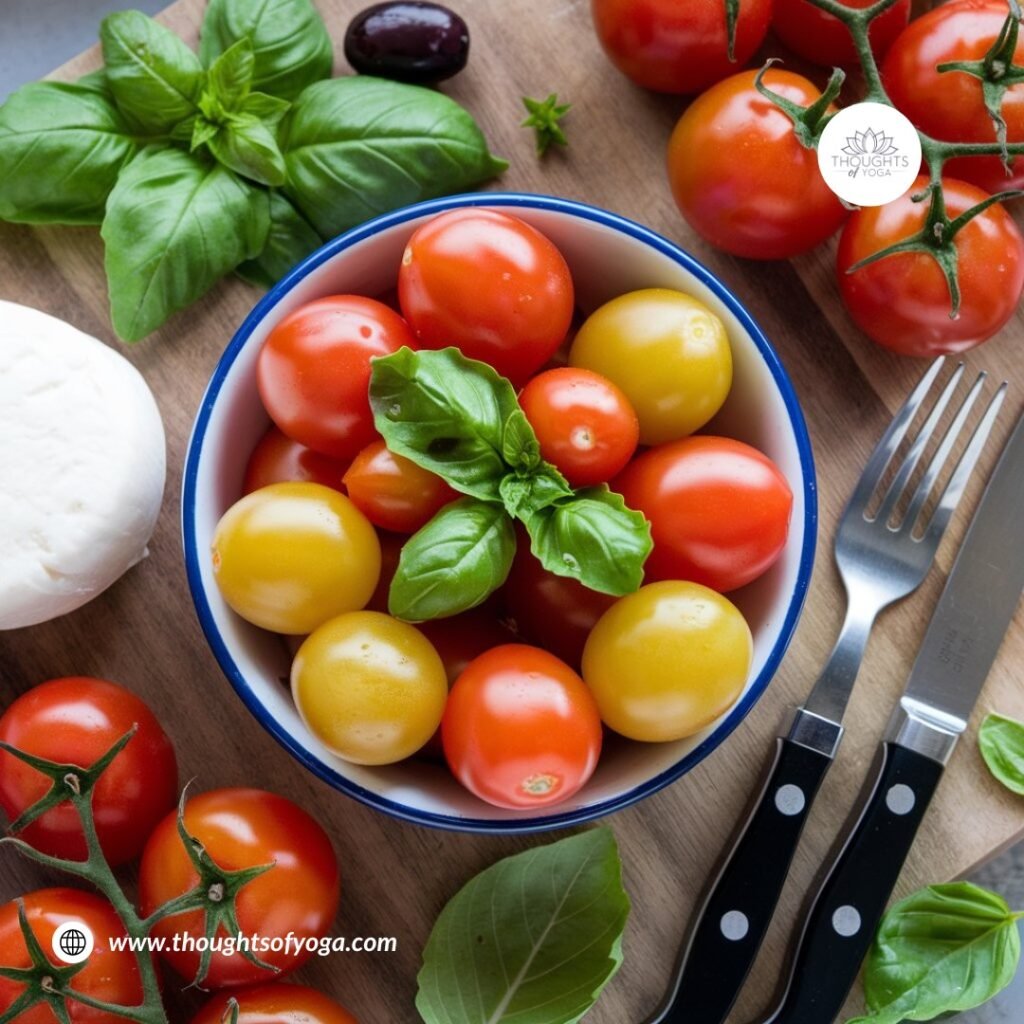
(882, 557)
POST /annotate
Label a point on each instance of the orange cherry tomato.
(275, 1004)
(277, 459)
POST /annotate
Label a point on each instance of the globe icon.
(72, 942)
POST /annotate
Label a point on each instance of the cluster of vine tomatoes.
(74, 721)
(744, 180)
(537, 669)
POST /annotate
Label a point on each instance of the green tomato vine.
(996, 72)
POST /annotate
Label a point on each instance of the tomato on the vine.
(584, 423)
(491, 285)
(950, 105)
(244, 828)
(719, 510)
(76, 720)
(521, 729)
(678, 47)
(313, 371)
(275, 1004)
(108, 975)
(277, 459)
(823, 39)
(740, 176)
(903, 302)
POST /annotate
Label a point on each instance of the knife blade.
(961, 642)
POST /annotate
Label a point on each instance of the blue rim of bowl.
(324, 771)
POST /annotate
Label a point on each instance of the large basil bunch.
(241, 158)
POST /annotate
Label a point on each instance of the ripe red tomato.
(584, 423)
(903, 302)
(719, 510)
(950, 105)
(823, 39)
(393, 492)
(769, 202)
(521, 729)
(678, 47)
(275, 1004)
(313, 371)
(489, 284)
(277, 459)
(555, 612)
(112, 977)
(77, 720)
(242, 828)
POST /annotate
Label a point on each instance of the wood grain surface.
(144, 633)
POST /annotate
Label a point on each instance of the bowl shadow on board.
(608, 255)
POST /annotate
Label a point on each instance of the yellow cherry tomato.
(667, 351)
(290, 556)
(668, 660)
(371, 688)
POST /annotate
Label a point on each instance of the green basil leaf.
(359, 146)
(61, 150)
(1002, 746)
(248, 147)
(525, 494)
(291, 239)
(945, 948)
(289, 39)
(268, 109)
(453, 563)
(202, 131)
(519, 445)
(155, 78)
(229, 78)
(446, 413)
(532, 940)
(175, 223)
(594, 538)
(96, 81)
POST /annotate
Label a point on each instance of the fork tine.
(890, 441)
(958, 482)
(906, 470)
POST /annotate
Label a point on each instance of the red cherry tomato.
(313, 371)
(489, 284)
(243, 828)
(76, 721)
(393, 492)
(275, 1004)
(950, 105)
(823, 39)
(109, 976)
(277, 459)
(719, 510)
(674, 46)
(770, 202)
(903, 301)
(584, 423)
(521, 729)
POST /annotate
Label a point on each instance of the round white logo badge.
(73, 942)
(869, 154)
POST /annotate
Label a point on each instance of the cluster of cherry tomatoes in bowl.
(516, 683)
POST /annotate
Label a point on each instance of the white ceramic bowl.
(608, 255)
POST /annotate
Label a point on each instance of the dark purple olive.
(409, 40)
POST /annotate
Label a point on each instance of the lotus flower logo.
(869, 143)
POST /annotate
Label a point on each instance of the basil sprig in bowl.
(608, 255)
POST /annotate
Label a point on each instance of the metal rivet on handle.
(790, 800)
(900, 799)
(846, 921)
(735, 925)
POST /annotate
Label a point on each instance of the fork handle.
(731, 925)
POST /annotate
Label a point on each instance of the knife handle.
(841, 923)
(740, 905)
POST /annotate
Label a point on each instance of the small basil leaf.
(446, 413)
(61, 150)
(359, 146)
(1002, 746)
(514, 491)
(229, 78)
(945, 948)
(525, 494)
(519, 445)
(594, 538)
(453, 563)
(202, 131)
(534, 939)
(268, 109)
(290, 42)
(291, 240)
(155, 78)
(175, 223)
(248, 147)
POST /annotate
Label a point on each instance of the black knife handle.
(842, 920)
(731, 925)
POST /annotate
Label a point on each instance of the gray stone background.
(38, 35)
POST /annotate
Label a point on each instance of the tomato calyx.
(732, 18)
(808, 122)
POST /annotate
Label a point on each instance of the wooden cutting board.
(144, 633)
